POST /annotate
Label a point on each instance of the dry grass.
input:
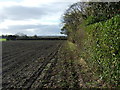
(72, 55)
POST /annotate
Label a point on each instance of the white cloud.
(43, 13)
(8, 4)
(32, 3)
(44, 2)
(44, 21)
(30, 30)
(8, 23)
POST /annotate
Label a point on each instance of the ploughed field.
(30, 64)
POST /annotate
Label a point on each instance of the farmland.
(43, 64)
(28, 64)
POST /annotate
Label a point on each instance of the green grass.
(2, 39)
(71, 46)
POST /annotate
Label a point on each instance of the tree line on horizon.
(34, 37)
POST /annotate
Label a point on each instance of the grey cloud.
(36, 13)
(22, 13)
(39, 29)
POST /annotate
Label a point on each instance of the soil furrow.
(32, 79)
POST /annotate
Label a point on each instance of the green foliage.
(102, 11)
(2, 39)
(103, 47)
(93, 19)
(90, 20)
(72, 18)
(95, 28)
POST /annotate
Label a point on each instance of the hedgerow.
(94, 27)
(101, 49)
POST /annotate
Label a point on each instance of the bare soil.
(38, 64)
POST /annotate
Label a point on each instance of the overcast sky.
(40, 17)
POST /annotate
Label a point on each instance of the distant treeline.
(15, 37)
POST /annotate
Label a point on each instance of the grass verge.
(78, 71)
(2, 39)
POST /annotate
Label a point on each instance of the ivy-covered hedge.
(102, 49)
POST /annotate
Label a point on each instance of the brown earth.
(39, 64)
